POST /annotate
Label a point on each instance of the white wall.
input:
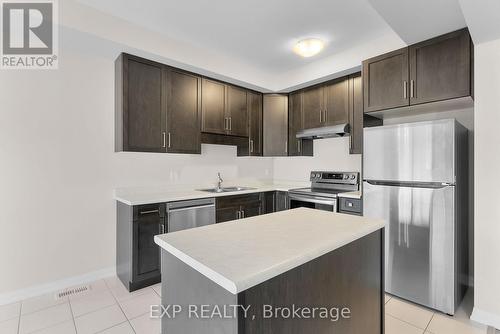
(58, 167)
(329, 154)
(487, 184)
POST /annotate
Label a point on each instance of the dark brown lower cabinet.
(275, 201)
(268, 199)
(352, 206)
(347, 281)
(137, 255)
(238, 206)
(281, 201)
(252, 209)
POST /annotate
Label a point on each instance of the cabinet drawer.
(236, 200)
(351, 205)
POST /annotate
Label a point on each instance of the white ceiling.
(261, 33)
(483, 19)
(418, 20)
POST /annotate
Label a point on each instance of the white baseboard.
(38, 290)
(485, 318)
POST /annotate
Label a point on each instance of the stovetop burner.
(329, 184)
(318, 192)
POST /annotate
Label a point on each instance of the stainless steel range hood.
(325, 132)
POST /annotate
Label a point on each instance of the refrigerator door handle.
(409, 184)
(407, 236)
(399, 234)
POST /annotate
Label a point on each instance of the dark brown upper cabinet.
(255, 124)
(385, 79)
(336, 102)
(340, 102)
(155, 106)
(275, 138)
(356, 114)
(236, 112)
(183, 112)
(326, 104)
(224, 109)
(312, 107)
(140, 117)
(440, 68)
(213, 107)
(434, 70)
(297, 147)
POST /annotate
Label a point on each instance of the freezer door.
(419, 237)
(420, 152)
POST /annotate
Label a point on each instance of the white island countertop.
(238, 255)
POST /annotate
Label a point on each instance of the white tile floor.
(108, 308)
(402, 317)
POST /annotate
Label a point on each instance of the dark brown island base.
(296, 271)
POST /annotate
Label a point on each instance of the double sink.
(226, 189)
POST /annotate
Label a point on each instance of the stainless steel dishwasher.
(184, 215)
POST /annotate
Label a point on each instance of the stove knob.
(346, 177)
(353, 177)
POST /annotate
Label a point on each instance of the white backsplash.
(330, 154)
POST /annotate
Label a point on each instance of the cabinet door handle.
(412, 89)
(169, 140)
(149, 212)
(298, 145)
(405, 89)
(251, 145)
(321, 116)
(242, 213)
(162, 228)
(230, 124)
(225, 123)
(325, 116)
(164, 140)
(286, 146)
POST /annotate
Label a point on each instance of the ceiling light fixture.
(308, 47)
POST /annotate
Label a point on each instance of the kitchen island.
(294, 271)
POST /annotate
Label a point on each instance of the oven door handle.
(313, 199)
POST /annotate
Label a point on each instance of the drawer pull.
(149, 212)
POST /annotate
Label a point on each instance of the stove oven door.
(314, 202)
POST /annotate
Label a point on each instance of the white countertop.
(156, 195)
(352, 194)
(240, 254)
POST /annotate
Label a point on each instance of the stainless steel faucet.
(219, 182)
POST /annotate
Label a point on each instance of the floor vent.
(72, 291)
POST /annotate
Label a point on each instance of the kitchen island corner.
(295, 271)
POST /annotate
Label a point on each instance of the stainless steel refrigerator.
(416, 179)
